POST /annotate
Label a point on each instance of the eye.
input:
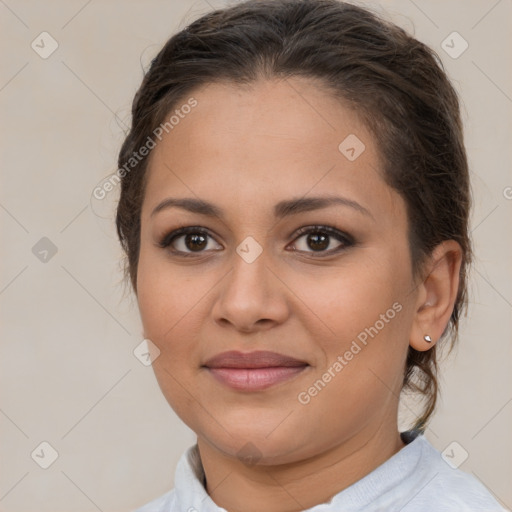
(319, 238)
(194, 240)
(187, 240)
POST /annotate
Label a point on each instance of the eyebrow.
(281, 209)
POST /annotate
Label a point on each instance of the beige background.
(68, 375)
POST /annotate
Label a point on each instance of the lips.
(253, 371)
(260, 359)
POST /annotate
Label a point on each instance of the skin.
(245, 149)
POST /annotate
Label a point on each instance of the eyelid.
(345, 239)
(319, 228)
(167, 239)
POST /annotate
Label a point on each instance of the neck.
(299, 485)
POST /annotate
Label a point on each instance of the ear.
(436, 295)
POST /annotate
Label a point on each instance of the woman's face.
(257, 277)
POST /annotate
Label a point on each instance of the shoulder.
(163, 503)
(448, 488)
(189, 493)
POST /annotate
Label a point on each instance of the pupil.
(318, 241)
(195, 241)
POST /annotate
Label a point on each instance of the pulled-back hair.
(396, 84)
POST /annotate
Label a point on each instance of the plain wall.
(68, 374)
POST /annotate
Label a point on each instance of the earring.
(427, 338)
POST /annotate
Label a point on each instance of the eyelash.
(346, 240)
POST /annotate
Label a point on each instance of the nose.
(252, 297)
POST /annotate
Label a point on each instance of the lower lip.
(255, 379)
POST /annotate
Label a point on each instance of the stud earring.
(427, 338)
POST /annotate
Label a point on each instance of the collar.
(191, 495)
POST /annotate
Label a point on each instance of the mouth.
(253, 371)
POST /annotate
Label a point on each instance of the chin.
(252, 444)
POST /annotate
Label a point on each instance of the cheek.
(354, 297)
(366, 346)
(167, 296)
(175, 304)
(169, 304)
(155, 305)
(365, 309)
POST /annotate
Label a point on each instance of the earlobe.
(436, 295)
(422, 343)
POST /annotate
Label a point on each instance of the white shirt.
(415, 479)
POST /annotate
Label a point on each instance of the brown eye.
(195, 242)
(318, 239)
(186, 241)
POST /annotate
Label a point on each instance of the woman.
(294, 210)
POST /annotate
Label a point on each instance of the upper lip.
(259, 359)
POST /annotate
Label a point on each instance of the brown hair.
(396, 83)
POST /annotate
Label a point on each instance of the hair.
(396, 84)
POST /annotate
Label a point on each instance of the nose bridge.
(250, 293)
(249, 281)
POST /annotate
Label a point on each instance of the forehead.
(269, 140)
(274, 115)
